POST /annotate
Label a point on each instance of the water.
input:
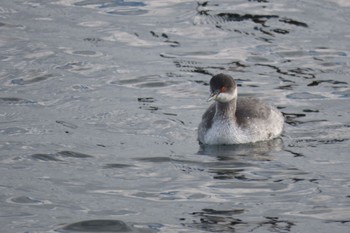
(100, 101)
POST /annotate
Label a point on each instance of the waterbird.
(233, 119)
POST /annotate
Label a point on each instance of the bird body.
(236, 120)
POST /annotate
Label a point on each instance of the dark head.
(222, 88)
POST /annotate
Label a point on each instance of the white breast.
(227, 131)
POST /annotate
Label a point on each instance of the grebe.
(235, 120)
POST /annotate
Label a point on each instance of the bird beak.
(213, 95)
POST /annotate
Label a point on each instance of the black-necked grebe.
(232, 120)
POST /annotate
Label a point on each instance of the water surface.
(100, 101)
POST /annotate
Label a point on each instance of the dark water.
(100, 101)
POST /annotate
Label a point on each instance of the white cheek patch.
(234, 94)
(226, 97)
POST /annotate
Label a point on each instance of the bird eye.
(222, 89)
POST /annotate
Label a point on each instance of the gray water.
(100, 101)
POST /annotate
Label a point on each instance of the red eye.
(222, 89)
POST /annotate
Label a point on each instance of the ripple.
(251, 188)
(206, 221)
(217, 220)
(115, 7)
(236, 22)
(343, 93)
(60, 156)
(155, 159)
(24, 200)
(318, 52)
(117, 166)
(108, 3)
(128, 12)
(193, 194)
(45, 157)
(174, 195)
(327, 133)
(94, 24)
(32, 78)
(16, 101)
(13, 131)
(145, 103)
(343, 3)
(84, 53)
(72, 154)
(67, 124)
(146, 99)
(7, 25)
(82, 88)
(235, 17)
(165, 38)
(93, 40)
(195, 54)
(110, 225)
(147, 81)
(305, 73)
(5, 10)
(84, 68)
(305, 95)
(98, 225)
(112, 212)
(328, 214)
(130, 39)
(39, 54)
(293, 22)
(318, 82)
(197, 67)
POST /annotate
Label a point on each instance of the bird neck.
(226, 109)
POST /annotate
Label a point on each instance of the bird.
(232, 119)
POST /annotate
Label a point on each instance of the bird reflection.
(228, 152)
(233, 160)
